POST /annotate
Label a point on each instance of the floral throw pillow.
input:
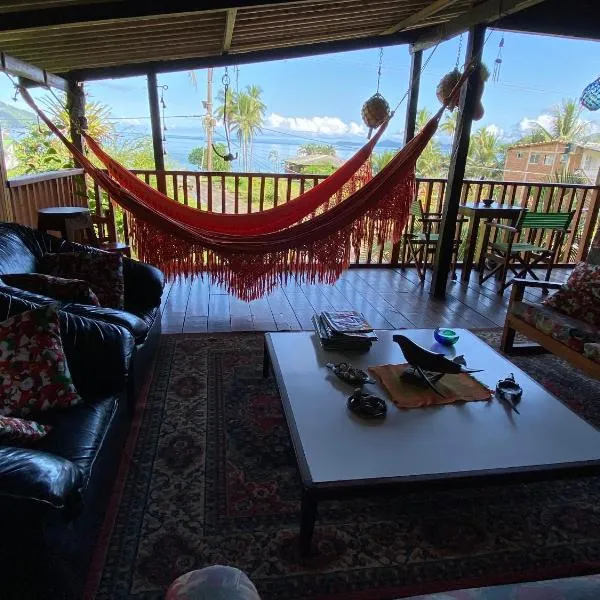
(579, 297)
(102, 270)
(34, 375)
(13, 429)
(58, 288)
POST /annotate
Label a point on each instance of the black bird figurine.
(427, 366)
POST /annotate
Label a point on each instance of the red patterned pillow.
(34, 375)
(579, 297)
(13, 429)
(102, 270)
(66, 290)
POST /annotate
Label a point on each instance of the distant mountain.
(12, 118)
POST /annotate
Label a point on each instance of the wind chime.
(498, 62)
(375, 111)
(449, 81)
(590, 98)
(229, 156)
(163, 106)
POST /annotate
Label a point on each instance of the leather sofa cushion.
(136, 326)
(30, 475)
(77, 433)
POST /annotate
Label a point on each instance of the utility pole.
(209, 120)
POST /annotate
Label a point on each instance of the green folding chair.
(534, 243)
(422, 244)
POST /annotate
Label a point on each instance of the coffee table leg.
(307, 521)
(266, 361)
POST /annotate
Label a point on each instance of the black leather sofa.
(22, 247)
(53, 495)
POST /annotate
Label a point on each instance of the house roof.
(106, 38)
(315, 159)
(586, 146)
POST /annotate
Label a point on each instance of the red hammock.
(250, 260)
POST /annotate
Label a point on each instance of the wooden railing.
(253, 192)
(28, 193)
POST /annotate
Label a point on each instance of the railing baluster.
(574, 227)
(263, 181)
(288, 194)
(198, 194)
(276, 190)
(175, 187)
(223, 195)
(209, 190)
(249, 210)
(185, 190)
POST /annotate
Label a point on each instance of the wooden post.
(413, 95)
(76, 110)
(410, 123)
(589, 245)
(157, 140)
(209, 120)
(456, 173)
(6, 213)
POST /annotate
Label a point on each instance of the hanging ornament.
(229, 156)
(448, 82)
(590, 98)
(163, 105)
(445, 87)
(498, 62)
(376, 111)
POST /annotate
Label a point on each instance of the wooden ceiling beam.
(20, 68)
(229, 25)
(187, 64)
(419, 16)
(485, 12)
(115, 10)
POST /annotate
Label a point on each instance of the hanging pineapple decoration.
(590, 98)
(449, 81)
(376, 111)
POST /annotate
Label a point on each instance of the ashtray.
(346, 372)
(488, 202)
(367, 406)
(446, 337)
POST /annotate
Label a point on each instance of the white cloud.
(495, 130)
(545, 120)
(320, 125)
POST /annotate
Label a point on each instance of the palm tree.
(423, 117)
(379, 160)
(486, 155)
(431, 163)
(245, 114)
(449, 124)
(97, 114)
(565, 125)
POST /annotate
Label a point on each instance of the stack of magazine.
(344, 330)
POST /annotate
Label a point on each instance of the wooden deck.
(389, 298)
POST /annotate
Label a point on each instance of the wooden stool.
(68, 220)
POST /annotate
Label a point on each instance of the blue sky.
(320, 97)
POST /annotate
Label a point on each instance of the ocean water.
(268, 152)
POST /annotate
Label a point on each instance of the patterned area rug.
(209, 477)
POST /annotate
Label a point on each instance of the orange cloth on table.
(407, 394)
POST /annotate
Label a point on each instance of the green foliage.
(197, 157)
(39, 151)
(432, 162)
(318, 169)
(379, 160)
(312, 148)
(449, 124)
(486, 156)
(133, 154)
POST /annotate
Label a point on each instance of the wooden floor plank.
(389, 298)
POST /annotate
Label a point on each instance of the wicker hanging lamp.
(376, 110)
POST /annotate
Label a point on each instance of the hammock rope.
(312, 237)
